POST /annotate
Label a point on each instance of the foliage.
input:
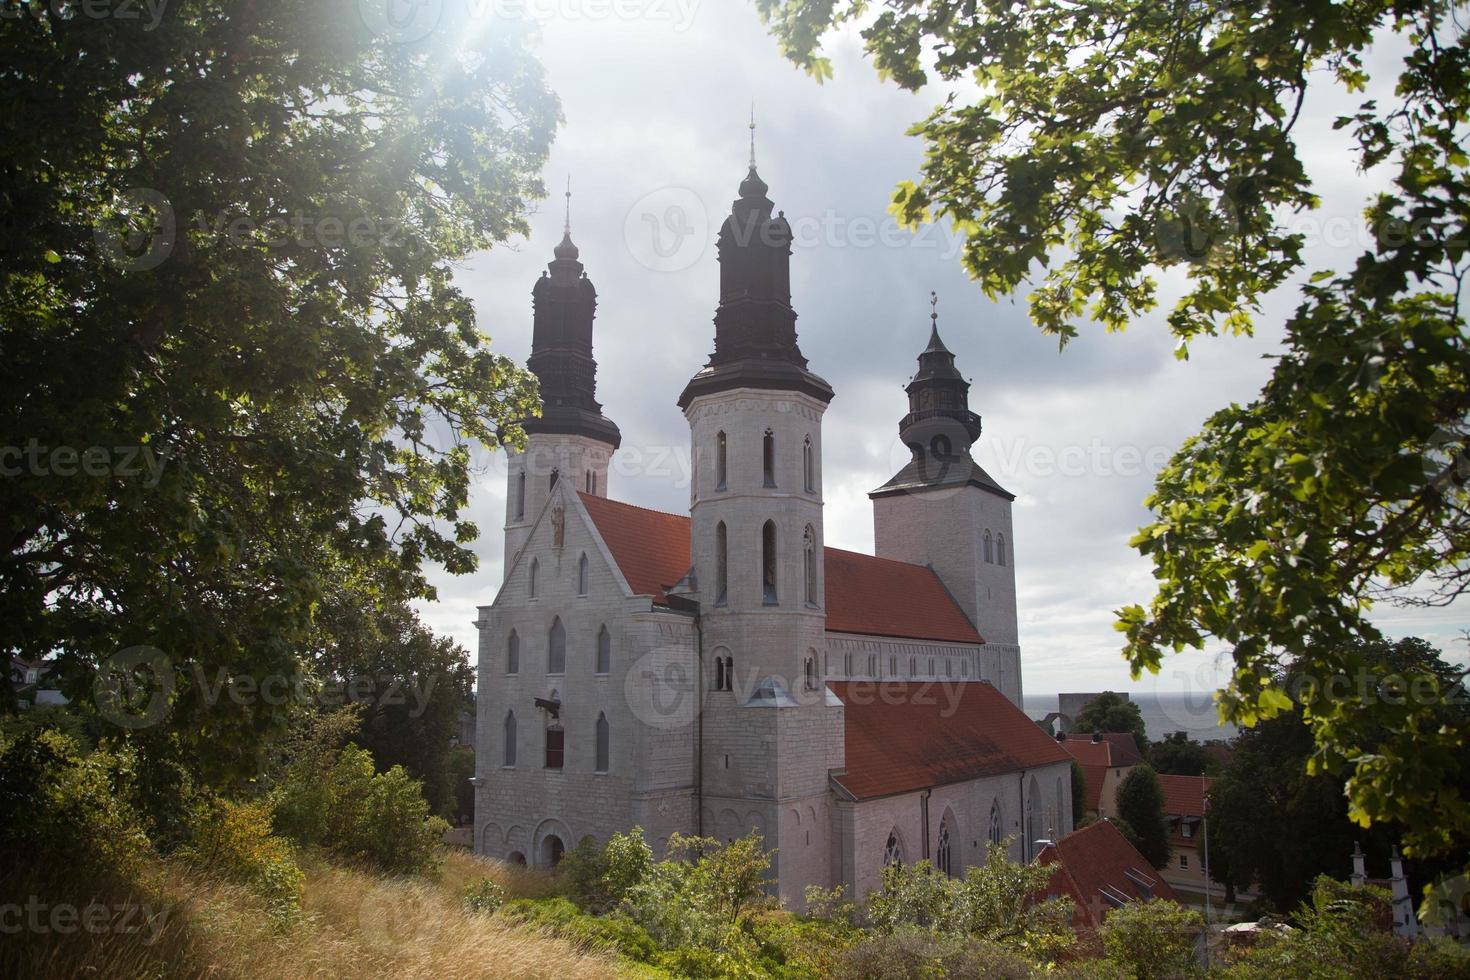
(230, 245)
(918, 953)
(1152, 940)
(696, 896)
(59, 806)
(562, 918)
(829, 903)
(1111, 712)
(484, 896)
(1179, 755)
(996, 901)
(1141, 807)
(462, 791)
(600, 877)
(235, 839)
(1079, 795)
(1104, 141)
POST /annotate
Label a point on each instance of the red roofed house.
(1184, 805)
(1100, 871)
(1105, 758)
(724, 671)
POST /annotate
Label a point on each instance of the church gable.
(563, 558)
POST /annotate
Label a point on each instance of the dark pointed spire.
(755, 325)
(565, 304)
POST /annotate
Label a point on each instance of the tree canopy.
(1081, 149)
(1111, 712)
(227, 287)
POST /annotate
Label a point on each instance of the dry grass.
(355, 925)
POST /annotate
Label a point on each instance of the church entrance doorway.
(552, 850)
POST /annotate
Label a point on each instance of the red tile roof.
(1098, 868)
(907, 736)
(866, 595)
(1184, 796)
(1121, 748)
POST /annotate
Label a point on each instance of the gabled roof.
(1101, 870)
(1184, 796)
(1115, 748)
(865, 595)
(907, 736)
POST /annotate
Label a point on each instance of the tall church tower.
(770, 731)
(572, 440)
(943, 510)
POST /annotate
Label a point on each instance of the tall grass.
(354, 924)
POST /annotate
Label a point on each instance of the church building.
(724, 670)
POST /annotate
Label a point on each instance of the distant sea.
(1162, 713)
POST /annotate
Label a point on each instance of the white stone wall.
(882, 658)
(865, 825)
(574, 458)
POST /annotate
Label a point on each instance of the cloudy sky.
(656, 95)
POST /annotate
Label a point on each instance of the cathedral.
(725, 671)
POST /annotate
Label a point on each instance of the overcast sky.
(655, 141)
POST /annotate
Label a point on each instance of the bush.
(235, 840)
(695, 897)
(909, 953)
(483, 897)
(562, 918)
(599, 878)
(1152, 940)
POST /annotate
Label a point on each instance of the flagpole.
(1205, 827)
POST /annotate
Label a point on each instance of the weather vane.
(934, 308)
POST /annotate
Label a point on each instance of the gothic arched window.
(722, 563)
(604, 651)
(555, 475)
(768, 563)
(809, 673)
(943, 858)
(809, 565)
(582, 575)
(721, 461)
(808, 466)
(556, 745)
(535, 568)
(603, 740)
(989, 560)
(520, 496)
(513, 653)
(724, 672)
(893, 849)
(510, 738)
(994, 833)
(556, 648)
(1000, 549)
(768, 458)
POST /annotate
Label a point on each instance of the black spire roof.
(561, 349)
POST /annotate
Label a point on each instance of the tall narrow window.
(556, 648)
(510, 738)
(587, 482)
(768, 562)
(809, 565)
(1000, 549)
(520, 495)
(556, 745)
(721, 458)
(603, 738)
(513, 653)
(724, 672)
(994, 834)
(722, 563)
(604, 651)
(768, 458)
(555, 475)
(988, 556)
(582, 575)
(943, 858)
(808, 467)
(535, 569)
(893, 849)
(809, 672)
(592, 483)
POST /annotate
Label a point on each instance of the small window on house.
(556, 648)
(768, 563)
(603, 738)
(722, 564)
(1184, 862)
(809, 565)
(1186, 830)
(513, 653)
(582, 575)
(768, 458)
(520, 496)
(989, 559)
(510, 738)
(535, 571)
(1000, 549)
(721, 461)
(556, 744)
(808, 466)
(604, 651)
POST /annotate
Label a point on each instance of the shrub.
(562, 918)
(235, 839)
(1152, 939)
(693, 898)
(483, 897)
(911, 952)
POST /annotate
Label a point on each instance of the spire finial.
(934, 309)
(567, 228)
(935, 344)
(752, 134)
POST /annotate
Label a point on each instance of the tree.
(1179, 755)
(1079, 794)
(1110, 712)
(1095, 144)
(228, 289)
(1141, 807)
(1152, 940)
